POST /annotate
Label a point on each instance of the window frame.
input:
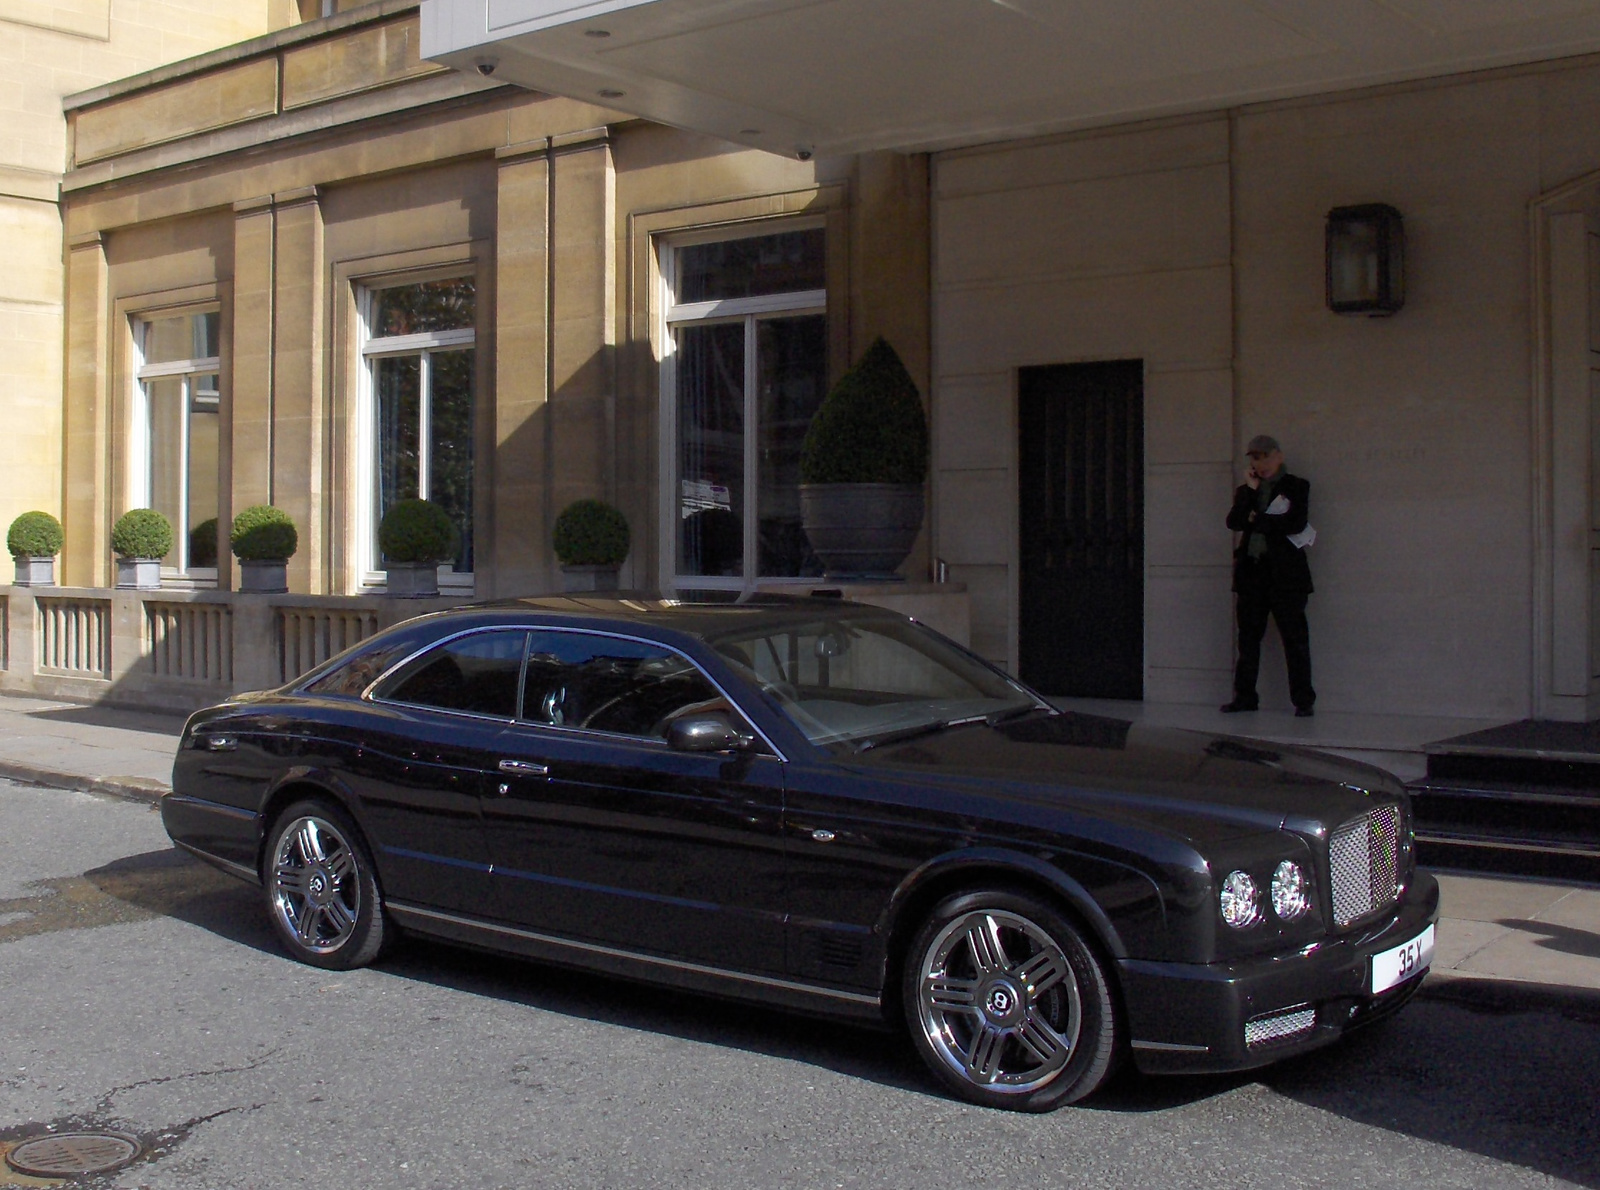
(400, 669)
(750, 311)
(371, 348)
(141, 438)
(370, 693)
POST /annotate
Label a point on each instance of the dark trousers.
(1257, 598)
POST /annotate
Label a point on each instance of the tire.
(1007, 1004)
(322, 896)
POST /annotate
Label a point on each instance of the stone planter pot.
(34, 571)
(861, 530)
(264, 576)
(138, 574)
(579, 579)
(413, 580)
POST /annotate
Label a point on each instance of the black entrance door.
(1081, 624)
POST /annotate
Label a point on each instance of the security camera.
(803, 152)
(486, 66)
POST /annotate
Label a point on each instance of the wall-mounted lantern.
(1366, 258)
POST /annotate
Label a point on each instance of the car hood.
(1187, 783)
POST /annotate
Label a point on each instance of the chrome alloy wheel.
(316, 889)
(998, 1002)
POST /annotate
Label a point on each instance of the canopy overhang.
(839, 76)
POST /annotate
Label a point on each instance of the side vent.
(827, 955)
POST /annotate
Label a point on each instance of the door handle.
(525, 768)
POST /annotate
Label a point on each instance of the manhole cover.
(72, 1152)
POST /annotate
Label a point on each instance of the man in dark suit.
(1270, 573)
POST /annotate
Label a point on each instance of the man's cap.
(1262, 444)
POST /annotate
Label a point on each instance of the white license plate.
(1402, 962)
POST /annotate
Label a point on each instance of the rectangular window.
(418, 411)
(747, 368)
(175, 458)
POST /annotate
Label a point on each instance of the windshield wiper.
(909, 733)
(1011, 713)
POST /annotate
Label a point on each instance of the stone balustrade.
(176, 650)
(180, 650)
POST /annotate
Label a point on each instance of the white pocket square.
(1279, 506)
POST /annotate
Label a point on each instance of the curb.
(1501, 995)
(133, 789)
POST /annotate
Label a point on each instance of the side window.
(361, 667)
(472, 673)
(604, 683)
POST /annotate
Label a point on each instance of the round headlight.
(1291, 896)
(1238, 900)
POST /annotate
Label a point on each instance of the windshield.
(851, 681)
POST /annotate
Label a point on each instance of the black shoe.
(1303, 712)
(1237, 705)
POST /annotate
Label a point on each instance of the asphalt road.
(139, 990)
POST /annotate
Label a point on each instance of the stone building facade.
(314, 270)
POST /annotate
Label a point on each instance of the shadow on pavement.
(164, 722)
(1500, 1076)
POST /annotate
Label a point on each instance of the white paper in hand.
(1303, 538)
(1279, 506)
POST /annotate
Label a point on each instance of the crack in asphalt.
(103, 1104)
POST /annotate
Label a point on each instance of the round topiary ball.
(591, 533)
(142, 533)
(34, 535)
(417, 531)
(870, 428)
(262, 533)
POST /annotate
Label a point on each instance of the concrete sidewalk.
(1498, 938)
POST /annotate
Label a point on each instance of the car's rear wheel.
(1007, 1004)
(321, 893)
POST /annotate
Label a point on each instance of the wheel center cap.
(317, 888)
(1003, 1002)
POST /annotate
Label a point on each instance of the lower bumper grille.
(1273, 1028)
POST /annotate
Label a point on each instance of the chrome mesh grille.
(1364, 864)
(1279, 1026)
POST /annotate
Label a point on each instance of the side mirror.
(705, 733)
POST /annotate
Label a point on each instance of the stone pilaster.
(85, 511)
(298, 412)
(520, 560)
(582, 323)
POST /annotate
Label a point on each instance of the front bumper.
(1190, 1017)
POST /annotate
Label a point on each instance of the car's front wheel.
(321, 893)
(1007, 1004)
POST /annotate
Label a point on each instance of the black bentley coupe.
(822, 806)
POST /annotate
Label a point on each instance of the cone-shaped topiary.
(262, 533)
(34, 535)
(141, 533)
(417, 531)
(591, 533)
(870, 428)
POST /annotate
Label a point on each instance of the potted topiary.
(862, 468)
(263, 539)
(591, 540)
(415, 538)
(140, 538)
(34, 540)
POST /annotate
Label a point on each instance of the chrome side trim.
(635, 956)
(1170, 1047)
(214, 807)
(216, 861)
